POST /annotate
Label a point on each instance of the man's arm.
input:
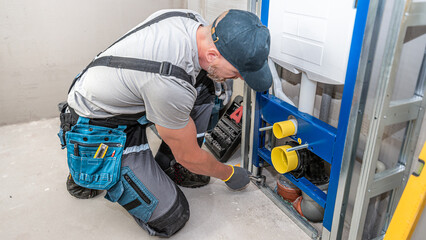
(183, 143)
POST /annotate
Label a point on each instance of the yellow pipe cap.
(284, 161)
(285, 128)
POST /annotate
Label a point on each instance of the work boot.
(78, 191)
(183, 177)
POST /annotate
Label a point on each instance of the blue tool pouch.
(82, 142)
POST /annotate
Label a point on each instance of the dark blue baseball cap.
(244, 42)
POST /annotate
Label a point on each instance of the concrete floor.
(34, 203)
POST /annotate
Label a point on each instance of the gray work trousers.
(144, 190)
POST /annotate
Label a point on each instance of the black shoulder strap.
(163, 68)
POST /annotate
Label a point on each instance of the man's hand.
(183, 143)
(239, 178)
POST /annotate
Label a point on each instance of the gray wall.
(44, 44)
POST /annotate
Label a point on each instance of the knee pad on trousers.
(172, 221)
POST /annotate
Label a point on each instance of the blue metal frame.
(319, 135)
(324, 140)
(264, 13)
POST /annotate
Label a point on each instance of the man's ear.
(212, 55)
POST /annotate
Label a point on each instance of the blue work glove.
(239, 178)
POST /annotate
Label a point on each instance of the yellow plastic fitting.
(285, 128)
(284, 161)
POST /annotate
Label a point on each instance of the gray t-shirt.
(105, 92)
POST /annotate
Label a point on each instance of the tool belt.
(94, 154)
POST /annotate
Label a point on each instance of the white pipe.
(308, 90)
(278, 90)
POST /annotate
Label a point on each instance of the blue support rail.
(319, 135)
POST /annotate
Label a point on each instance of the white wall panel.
(313, 36)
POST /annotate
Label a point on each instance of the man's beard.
(211, 73)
